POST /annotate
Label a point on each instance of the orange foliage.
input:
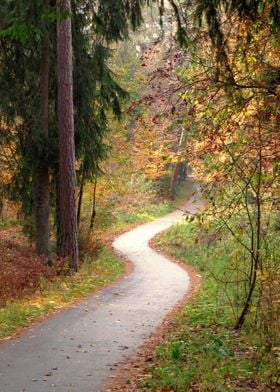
(154, 147)
(20, 269)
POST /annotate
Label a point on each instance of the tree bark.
(42, 230)
(67, 175)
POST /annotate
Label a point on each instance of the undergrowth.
(119, 216)
(59, 292)
(204, 353)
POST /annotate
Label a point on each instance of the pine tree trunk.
(67, 176)
(57, 208)
(42, 229)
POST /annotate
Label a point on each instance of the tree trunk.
(247, 304)
(67, 176)
(255, 250)
(57, 208)
(81, 193)
(174, 180)
(177, 168)
(42, 230)
(93, 211)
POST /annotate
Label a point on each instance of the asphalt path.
(78, 349)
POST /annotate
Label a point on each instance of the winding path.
(77, 349)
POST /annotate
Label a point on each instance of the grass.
(146, 213)
(149, 213)
(204, 353)
(64, 290)
(115, 218)
(183, 193)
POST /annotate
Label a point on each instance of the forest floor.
(123, 315)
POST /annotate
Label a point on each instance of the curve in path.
(77, 350)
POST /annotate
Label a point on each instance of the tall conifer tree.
(67, 176)
(42, 230)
